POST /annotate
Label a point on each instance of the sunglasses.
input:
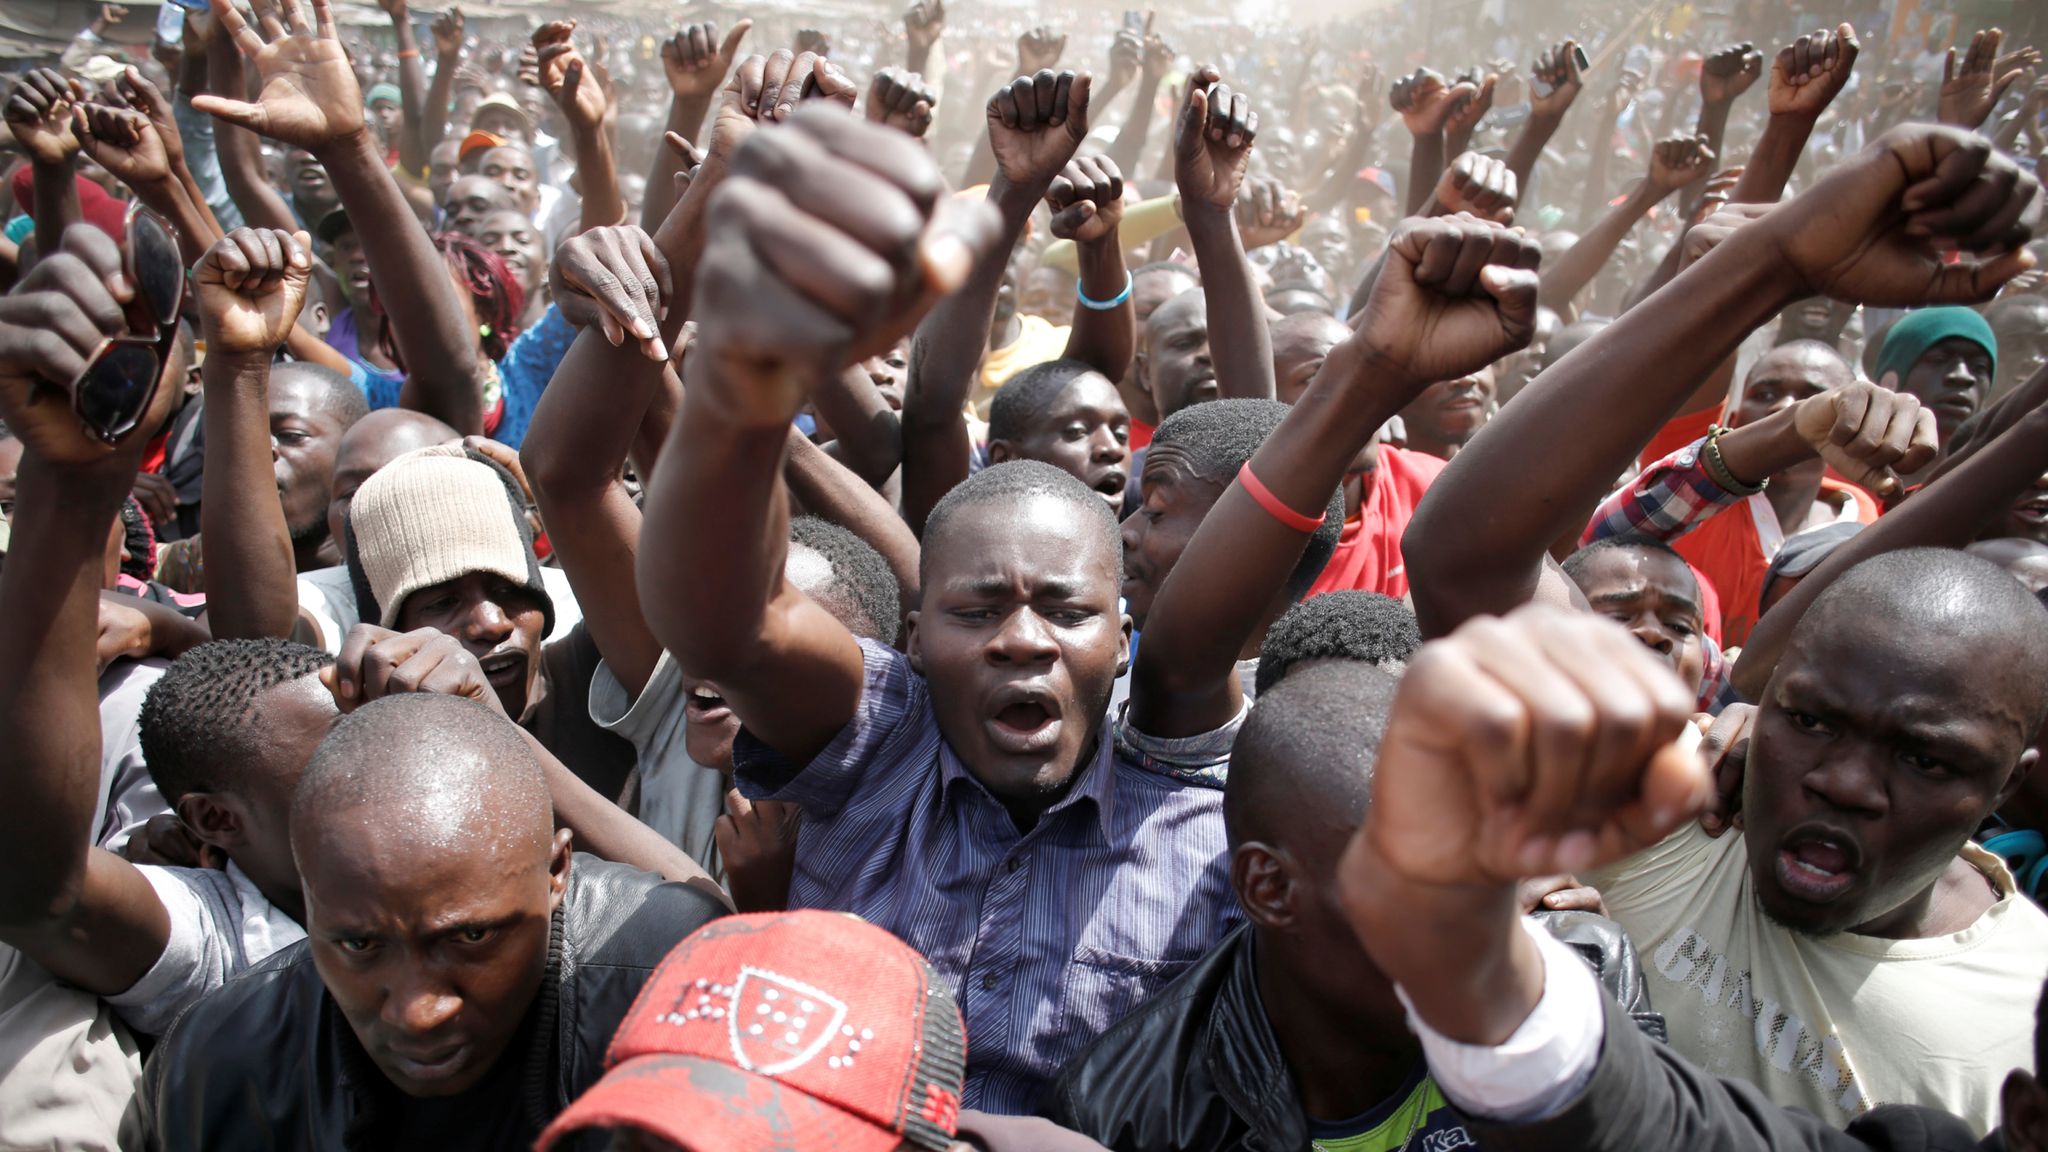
(122, 374)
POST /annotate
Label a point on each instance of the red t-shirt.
(1728, 550)
(1368, 554)
(1677, 433)
(1141, 434)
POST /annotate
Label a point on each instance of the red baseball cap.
(794, 1030)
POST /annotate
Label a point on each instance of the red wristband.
(1271, 503)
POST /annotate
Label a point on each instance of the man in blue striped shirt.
(967, 796)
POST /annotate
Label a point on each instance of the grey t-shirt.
(679, 798)
(220, 927)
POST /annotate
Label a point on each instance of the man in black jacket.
(1286, 1033)
(1522, 745)
(460, 975)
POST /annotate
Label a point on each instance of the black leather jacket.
(268, 1062)
(1198, 1069)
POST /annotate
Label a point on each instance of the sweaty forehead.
(1187, 310)
(1632, 572)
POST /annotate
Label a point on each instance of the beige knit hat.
(432, 516)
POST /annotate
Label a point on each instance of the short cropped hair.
(1221, 436)
(1016, 480)
(195, 721)
(1366, 627)
(1028, 395)
(867, 599)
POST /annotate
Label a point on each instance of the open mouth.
(1817, 865)
(705, 706)
(1024, 720)
(504, 668)
(2033, 510)
(1111, 485)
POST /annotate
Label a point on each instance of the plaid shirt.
(1669, 499)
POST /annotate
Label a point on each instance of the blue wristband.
(1103, 305)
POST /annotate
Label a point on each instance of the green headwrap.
(1916, 332)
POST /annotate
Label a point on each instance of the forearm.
(685, 119)
(604, 830)
(826, 488)
(49, 707)
(680, 239)
(604, 205)
(177, 203)
(1478, 538)
(870, 434)
(1129, 146)
(433, 125)
(1948, 513)
(1143, 222)
(1425, 164)
(1562, 280)
(246, 544)
(412, 86)
(303, 345)
(1771, 162)
(1713, 124)
(1339, 176)
(1528, 147)
(1239, 339)
(57, 208)
(241, 158)
(412, 283)
(1241, 555)
(1104, 338)
(944, 354)
(1593, 190)
(1477, 992)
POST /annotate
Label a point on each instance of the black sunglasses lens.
(159, 269)
(117, 388)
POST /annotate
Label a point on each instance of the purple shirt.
(1047, 937)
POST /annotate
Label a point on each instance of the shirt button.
(988, 981)
(1012, 866)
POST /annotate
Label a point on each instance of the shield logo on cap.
(777, 1024)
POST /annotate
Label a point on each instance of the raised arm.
(582, 90)
(1478, 537)
(134, 91)
(1593, 183)
(1555, 81)
(821, 252)
(923, 23)
(127, 144)
(39, 113)
(1674, 164)
(1087, 202)
(310, 100)
(447, 29)
(1128, 149)
(86, 915)
(1806, 76)
(241, 157)
(412, 87)
(1456, 294)
(826, 488)
(584, 428)
(1426, 104)
(1212, 146)
(1971, 91)
(250, 287)
(1724, 76)
(1034, 126)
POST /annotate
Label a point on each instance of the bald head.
(1301, 767)
(1986, 633)
(370, 444)
(421, 773)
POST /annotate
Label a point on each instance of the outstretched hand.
(1546, 741)
(1969, 92)
(830, 239)
(1212, 142)
(1036, 123)
(309, 97)
(577, 86)
(617, 278)
(251, 285)
(1455, 294)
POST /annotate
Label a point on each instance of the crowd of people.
(1148, 584)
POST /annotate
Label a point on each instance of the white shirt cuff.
(1549, 1060)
